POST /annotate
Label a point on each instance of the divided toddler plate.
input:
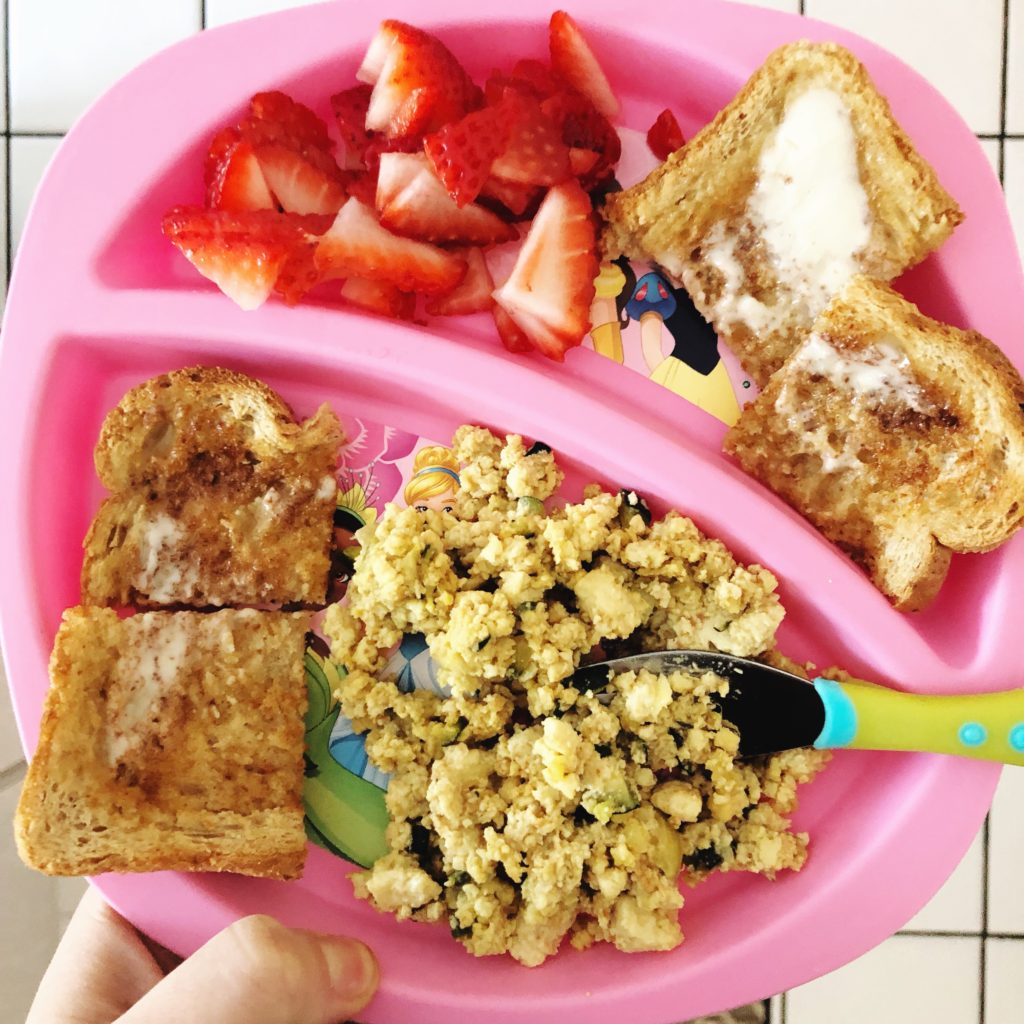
(100, 301)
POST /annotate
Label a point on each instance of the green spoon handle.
(864, 716)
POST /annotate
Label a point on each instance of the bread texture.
(218, 497)
(900, 438)
(744, 215)
(170, 741)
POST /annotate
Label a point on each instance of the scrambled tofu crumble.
(524, 809)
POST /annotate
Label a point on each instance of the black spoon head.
(772, 709)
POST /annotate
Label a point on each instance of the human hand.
(257, 971)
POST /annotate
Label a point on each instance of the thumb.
(257, 971)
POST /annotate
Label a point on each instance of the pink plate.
(100, 301)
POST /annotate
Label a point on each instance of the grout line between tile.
(803, 5)
(7, 141)
(12, 775)
(1003, 88)
(34, 135)
(923, 933)
(784, 1000)
(202, 15)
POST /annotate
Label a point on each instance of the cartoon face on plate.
(435, 480)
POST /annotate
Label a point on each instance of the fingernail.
(352, 968)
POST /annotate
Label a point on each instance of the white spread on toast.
(328, 485)
(879, 374)
(160, 575)
(143, 677)
(809, 209)
(734, 304)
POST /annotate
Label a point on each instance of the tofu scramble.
(524, 809)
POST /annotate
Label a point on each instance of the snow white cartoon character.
(693, 368)
(605, 312)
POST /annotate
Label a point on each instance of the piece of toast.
(900, 438)
(170, 741)
(759, 215)
(218, 496)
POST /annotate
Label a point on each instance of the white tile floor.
(62, 56)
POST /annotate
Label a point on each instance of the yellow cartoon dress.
(693, 368)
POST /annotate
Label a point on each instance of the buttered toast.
(218, 496)
(900, 438)
(801, 181)
(170, 741)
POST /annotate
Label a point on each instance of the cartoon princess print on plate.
(666, 338)
(433, 485)
(344, 791)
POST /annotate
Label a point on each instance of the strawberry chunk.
(517, 199)
(276, 117)
(299, 185)
(299, 274)
(418, 85)
(514, 339)
(379, 297)
(412, 201)
(472, 294)
(463, 152)
(551, 287)
(535, 154)
(583, 126)
(380, 144)
(362, 185)
(543, 80)
(241, 252)
(582, 161)
(573, 59)
(665, 136)
(234, 180)
(356, 245)
(350, 108)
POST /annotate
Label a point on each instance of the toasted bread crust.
(900, 438)
(219, 496)
(105, 792)
(705, 186)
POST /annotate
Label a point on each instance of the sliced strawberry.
(379, 297)
(298, 274)
(418, 85)
(298, 185)
(472, 294)
(362, 185)
(665, 136)
(535, 154)
(583, 126)
(241, 252)
(582, 161)
(517, 199)
(573, 59)
(276, 117)
(544, 81)
(508, 330)
(462, 152)
(380, 144)
(234, 178)
(220, 149)
(350, 108)
(551, 287)
(412, 201)
(357, 245)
